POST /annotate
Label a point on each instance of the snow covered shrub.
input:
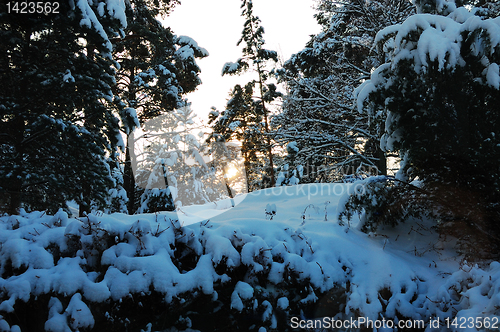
(290, 174)
(439, 94)
(385, 201)
(121, 273)
(289, 177)
(148, 273)
(270, 211)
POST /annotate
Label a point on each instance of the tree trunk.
(84, 208)
(381, 161)
(86, 193)
(266, 127)
(128, 178)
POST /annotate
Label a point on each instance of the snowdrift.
(278, 257)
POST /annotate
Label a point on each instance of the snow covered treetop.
(434, 42)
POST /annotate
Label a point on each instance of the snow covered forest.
(352, 187)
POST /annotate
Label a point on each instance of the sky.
(216, 26)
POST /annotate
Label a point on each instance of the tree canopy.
(247, 114)
(439, 94)
(69, 83)
(329, 137)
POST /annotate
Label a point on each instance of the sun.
(231, 172)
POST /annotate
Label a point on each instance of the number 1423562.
(32, 7)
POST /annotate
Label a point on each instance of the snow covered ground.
(398, 274)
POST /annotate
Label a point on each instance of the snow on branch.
(116, 9)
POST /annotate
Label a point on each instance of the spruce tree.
(56, 76)
(156, 69)
(439, 94)
(238, 122)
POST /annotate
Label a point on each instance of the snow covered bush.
(290, 175)
(149, 273)
(382, 200)
(439, 94)
(117, 196)
(120, 273)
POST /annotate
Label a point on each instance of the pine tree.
(330, 138)
(156, 69)
(56, 76)
(239, 123)
(247, 112)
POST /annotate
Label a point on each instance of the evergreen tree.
(290, 176)
(330, 139)
(439, 96)
(116, 200)
(172, 170)
(239, 123)
(247, 113)
(56, 76)
(156, 69)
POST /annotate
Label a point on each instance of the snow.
(425, 38)
(185, 52)
(292, 146)
(90, 20)
(132, 114)
(386, 33)
(421, 279)
(57, 321)
(78, 313)
(241, 291)
(234, 125)
(283, 303)
(492, 76)
(116, 9)
(230, 67)
(439, 41)
(185, 40)
(300, 169)
(280, 179)
(362, 92)
(189, 48)
(68, 78)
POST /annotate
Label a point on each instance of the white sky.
(216, 26)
